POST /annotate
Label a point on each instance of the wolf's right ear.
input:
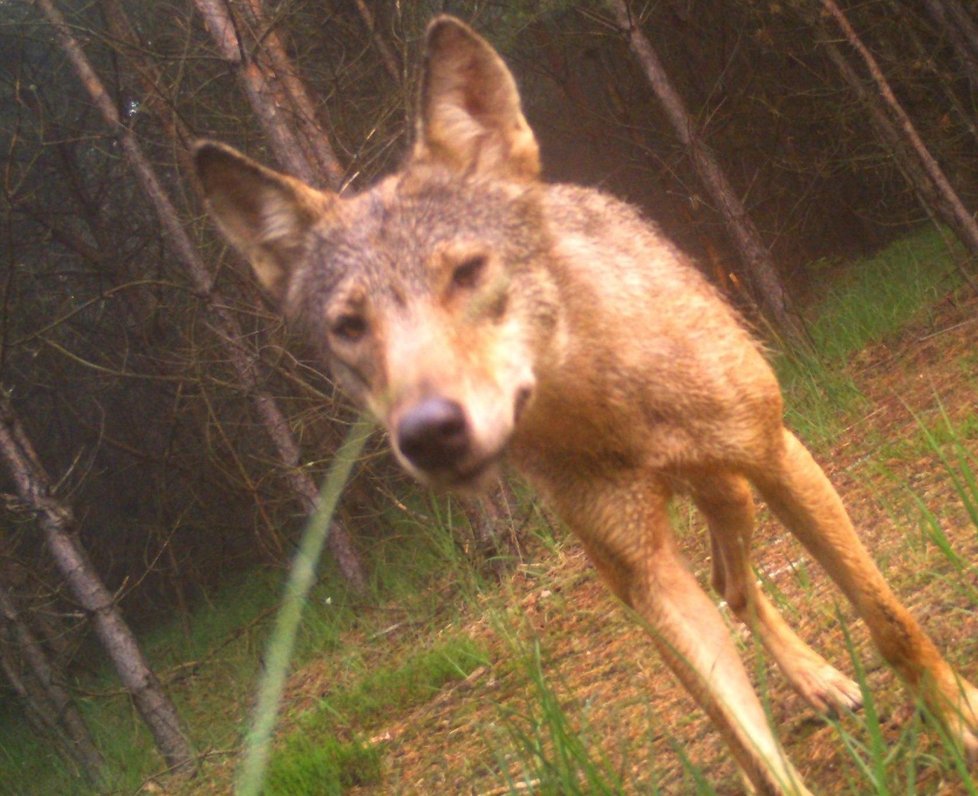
(264, 214)
(470, 118)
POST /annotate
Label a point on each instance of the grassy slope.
(448, 683)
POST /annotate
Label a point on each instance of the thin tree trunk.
(947, 89)
(488, 517)
(151, 81)
(244, 360)
(950, 206)
(387, 56)
(261, 95)
(911, 169)
(40, 714)
(763, 274)
(957, 38)
(53, 702)
(313, 136)
(963, 22)
(56, 521)
(309, 156)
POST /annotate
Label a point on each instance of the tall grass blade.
(871, 760)
(301, 577)
(556, 758)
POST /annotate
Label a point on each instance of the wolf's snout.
(434, 434)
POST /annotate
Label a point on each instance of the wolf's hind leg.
(726, 502)
(797, 490)
(627, 535)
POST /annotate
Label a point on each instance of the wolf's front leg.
(797, 490)
(626, 532)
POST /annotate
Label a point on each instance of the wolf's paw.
(826, 689)
(970, 741)
(965, 734)
(969, 724)
(818, 682)
(959, 712)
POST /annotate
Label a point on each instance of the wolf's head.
(429, 294)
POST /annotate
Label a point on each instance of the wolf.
(481, 314)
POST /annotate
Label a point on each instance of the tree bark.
(244, 360)
(277, 96)
(923, 54)
(312, 134)
(151, 81)
(890, 137)
(39, 713)
(949, 206)
(387, 56)
(56, 521)
(957, 36)
(762, 273)
(965, 22)
(489, 516)
(53, 702)
(962, 30)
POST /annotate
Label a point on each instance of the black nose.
(433, 434)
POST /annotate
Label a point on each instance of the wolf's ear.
(264, 214)
(470, 116)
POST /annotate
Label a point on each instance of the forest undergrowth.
(448, 680)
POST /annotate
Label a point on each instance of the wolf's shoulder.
(579, 205)
(590, 225)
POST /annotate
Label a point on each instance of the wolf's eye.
(349, 328)
(467, 273)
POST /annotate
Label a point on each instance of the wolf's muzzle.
(434, 435)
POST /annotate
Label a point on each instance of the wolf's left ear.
(470, 117)
(264, 214)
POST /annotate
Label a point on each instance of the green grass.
(313, 758)
(214, 667)
(210, 672)
(323, 767)
(880, 295)
(945, 440)
(413, 682)
(819, 396)
(873, 300)
(885, 765)
(555, 753)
